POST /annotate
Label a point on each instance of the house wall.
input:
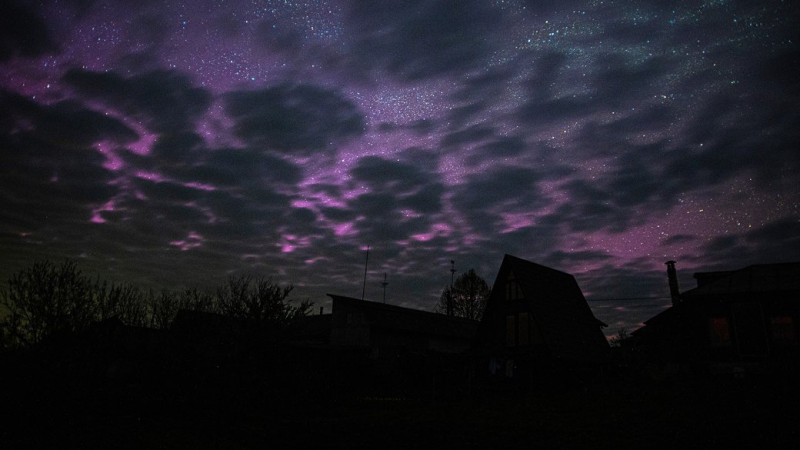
(349, 327)
(733, 327)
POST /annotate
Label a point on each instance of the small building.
(381, 327)
(732, 321)
(537, 323)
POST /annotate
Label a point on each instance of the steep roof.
(391, 317)
(567, 324)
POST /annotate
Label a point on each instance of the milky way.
(171, 144)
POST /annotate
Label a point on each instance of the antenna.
(384, 283)
(364, 288)
(450, 292)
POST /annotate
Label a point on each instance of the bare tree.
(259, 300)
(125, 302)
(45, 299)
(467, 298)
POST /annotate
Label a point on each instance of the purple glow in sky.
(171, 144)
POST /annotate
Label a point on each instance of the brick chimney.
(672, 276)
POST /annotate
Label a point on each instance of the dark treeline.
(48, 299)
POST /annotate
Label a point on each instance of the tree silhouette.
(46, 299)
(259, 300)
(467, 297)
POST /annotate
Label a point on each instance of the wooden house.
(538, 323)
(732, 321)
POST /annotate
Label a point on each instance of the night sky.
(171, 144)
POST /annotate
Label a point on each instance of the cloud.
(401, 201)
(770, 243)
(486, 199)
(421, 39)
(248, 166)
(66, 123)
(164, 100)
(49, 164)
(23, 33)
(293, 117)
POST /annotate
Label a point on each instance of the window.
(518, 329)
(511, 331)
(524, 334)
(782, 329)
(719, 331)
(513, 289)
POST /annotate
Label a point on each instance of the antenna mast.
(384, 283)
(364, 287)
(450, 292)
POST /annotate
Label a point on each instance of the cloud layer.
(176, 145)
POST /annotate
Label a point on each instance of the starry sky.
(173, 143)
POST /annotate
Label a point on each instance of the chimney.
(672, 276)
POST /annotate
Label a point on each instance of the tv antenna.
(384, 283)
(364, 287)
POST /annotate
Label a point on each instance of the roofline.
(387, 307)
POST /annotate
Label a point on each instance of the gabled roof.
(391, 317)
(779, 277)
(568, 327)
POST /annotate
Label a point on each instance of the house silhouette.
(733, 321)
(536, 323)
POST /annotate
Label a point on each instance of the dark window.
(513, 289)
(524, 329)
(782, 329)
(519, 328)
(511, 331)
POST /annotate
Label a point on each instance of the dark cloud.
(498, 148)
(42, 184)
(277, 38)
(774, 242)
(422, 38)
(560, 258)
(293, 118)
(408, 186)
(66, 123)
(485, 197)
(470, 135)
(23, 33)
(181, 146)
(50, 171)
(246, 167)
(165, 101)
(402, 200)
(419, 127)
(678, 239)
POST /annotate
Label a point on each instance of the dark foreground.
(302, 400)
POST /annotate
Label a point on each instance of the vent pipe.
(672, 276)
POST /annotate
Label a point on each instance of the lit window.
(511, 331)
(782, 329)
(719, 331)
